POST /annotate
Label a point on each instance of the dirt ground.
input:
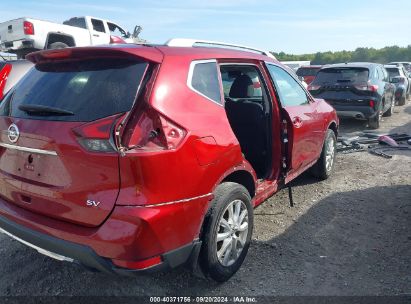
(349, 235)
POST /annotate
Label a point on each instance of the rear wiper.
(34, 109)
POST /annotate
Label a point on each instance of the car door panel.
(304, 126)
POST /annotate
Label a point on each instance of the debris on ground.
(376, 144)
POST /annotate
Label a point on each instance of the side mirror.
(128, 34)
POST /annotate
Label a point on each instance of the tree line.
(384, 55)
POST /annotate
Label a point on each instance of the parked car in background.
(407, 65)
(307, 73)
(11, 72)
(24, 35)
(356, 90)
(401, 81)
(295, 64)
(194, 156)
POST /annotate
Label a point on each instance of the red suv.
(129, 159)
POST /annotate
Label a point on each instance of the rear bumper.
(16, 45)
(357, 112)
(84, 255)
(130, 235)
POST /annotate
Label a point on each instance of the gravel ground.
(349, 235)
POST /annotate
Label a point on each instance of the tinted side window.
(77, 22)
(98, 25)
(288, 89)
(204, 80)
(384, 74)
(116, 30)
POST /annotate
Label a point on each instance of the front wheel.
(325, 164)
(227, 232)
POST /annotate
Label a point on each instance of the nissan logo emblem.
(13, 133)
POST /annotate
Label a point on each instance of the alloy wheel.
(329, 154)
(232, 232)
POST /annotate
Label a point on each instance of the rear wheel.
(325, 164)
(374, 122)
(227, 232)
(390, 111)
(57, 45)
(402, 100)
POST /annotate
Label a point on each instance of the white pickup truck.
(24, 35)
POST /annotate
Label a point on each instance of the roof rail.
(183, 42)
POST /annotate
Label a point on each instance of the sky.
(292, 26)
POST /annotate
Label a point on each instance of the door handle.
(297, 122)
(95, 35)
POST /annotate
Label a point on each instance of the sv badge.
(92, 203)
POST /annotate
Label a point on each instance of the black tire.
(22, 54)
(402, 100)
(226, 194)
(374, 122)
(321, 169)
(57, 45)
(390, 111)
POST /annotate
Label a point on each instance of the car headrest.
(242, 87)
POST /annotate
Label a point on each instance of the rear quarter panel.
(187, 171)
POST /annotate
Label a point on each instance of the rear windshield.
(90, 89)
(392, 72)
(333, 75)
(307, 72)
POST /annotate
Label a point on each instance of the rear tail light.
(313, 87)
(4, 74)
(96, 136)
(372, 103)
(153, 132)
(367, 87)
(28, 28)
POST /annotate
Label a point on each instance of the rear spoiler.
(131, 51)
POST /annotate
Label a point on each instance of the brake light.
(313, 87)
(28, 28)
(367, 87)
(151, 131)
(4, 74)
(96, 135)
(56, 54)
(372, 104)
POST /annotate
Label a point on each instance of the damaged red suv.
(130, 159)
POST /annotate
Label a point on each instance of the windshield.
(333, 75)
(90, 90)
(392, 72)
